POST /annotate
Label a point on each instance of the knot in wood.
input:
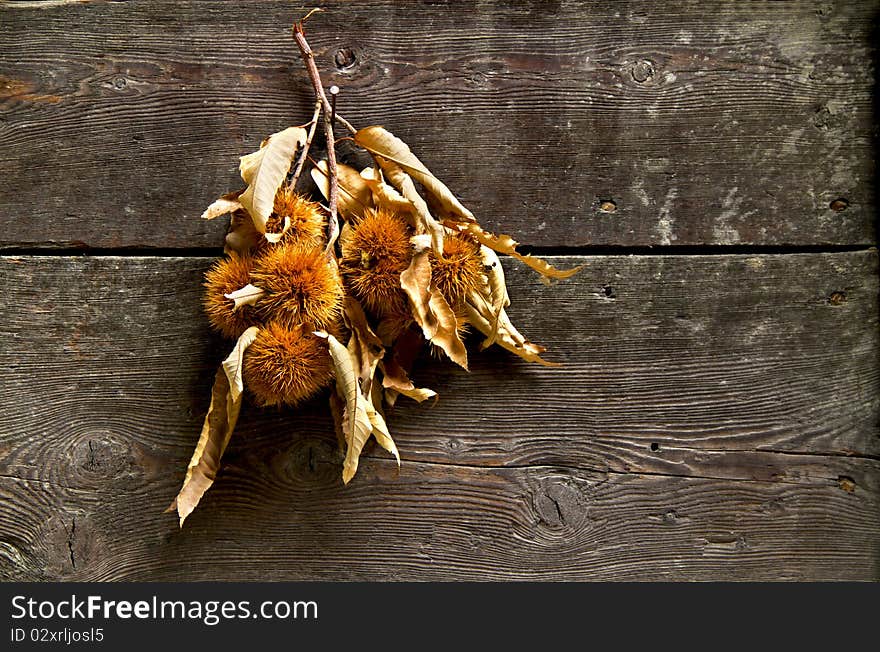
(643, 71)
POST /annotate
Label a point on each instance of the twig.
(345, 123)
(309, 59)
(305, 153)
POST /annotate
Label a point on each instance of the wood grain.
(716, 418)
(731, 124)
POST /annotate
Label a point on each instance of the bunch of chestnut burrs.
(311, 305)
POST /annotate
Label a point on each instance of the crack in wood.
(585, 469)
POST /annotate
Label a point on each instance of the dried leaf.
(228, 203)
(506, 245)
(246, 296)
(425, 222)
(395, 378)
(355, 195)
(497, 289)
(357, 422)
(275, 238)
(364, 347)
(264, 172)
(232, 363)
(447, 336)
(388, 147)
(385, 196)
(380, 432)
(481, 315)
(242, 236)
(216, 431)
(429, 308)
(358, 431)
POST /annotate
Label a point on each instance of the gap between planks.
(599, 250)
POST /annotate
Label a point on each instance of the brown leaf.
(275, 238)
(425, 222)
(217, 429)
(246, 296)
(388, 147)
(364, 347)
(355, 195)
(228, 203)
(359, 419)
(497, 289)
(385, 196)
(242, 236)
(506, 245)
(504, 333)
(395, 378)
(380, 432)
(429, 308)
(264, 172)
(447, 335)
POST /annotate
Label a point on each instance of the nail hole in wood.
(837, 298)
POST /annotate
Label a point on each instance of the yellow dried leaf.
(425, 222)
(416, 282)
(228, 203)
(497, 289)
(357, 423)
(385, 145)
(216, 431)
(504, 333)
(275, 238)
(242, 236)
(264, 172)
(395, 378)
(246, 296)
(446, 335)
(385, 196)
(430, 310)
(355, 195)
(506, 245)
(364, 346)
(380, 431)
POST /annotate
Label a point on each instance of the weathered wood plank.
(716, 418)
(735, 123)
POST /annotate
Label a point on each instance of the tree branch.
(309, 59)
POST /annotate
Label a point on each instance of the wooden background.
(711, 163)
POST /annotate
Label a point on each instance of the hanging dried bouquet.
(312, 306)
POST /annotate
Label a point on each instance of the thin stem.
(345, 123)
(305, 153)
(309, 59)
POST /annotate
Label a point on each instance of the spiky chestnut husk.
(226, 276)
(373, 257)
(306, 219)
(286, 365)
(458, 271)
(301, 285)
